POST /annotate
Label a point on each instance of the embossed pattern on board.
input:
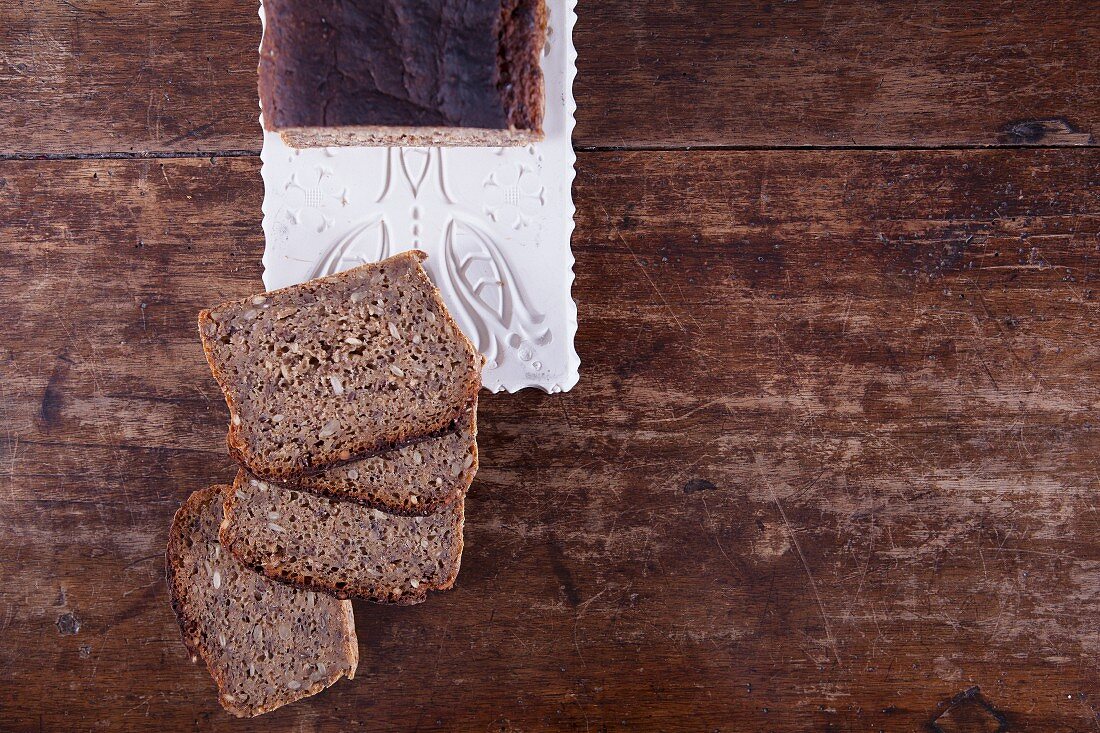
(495, 222)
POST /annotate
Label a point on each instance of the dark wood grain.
(927, 73)
(832, 463)
(95, 76)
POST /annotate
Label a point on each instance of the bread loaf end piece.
(403, 72)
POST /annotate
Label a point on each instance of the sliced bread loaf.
(420, 479)
(338, 368)
(341, 547)
(265, 644)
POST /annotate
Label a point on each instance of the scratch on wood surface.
(582, 609)
(674, 479)
(714, 535)
(689, 413)
(564, 411)
(13, 448)
(650, 281)
(149, 112)
(9, 616)
(141, 560)
(870, 553)
(148, 585)
(99, 651)
(683, 299)
(847, 313)
(1024, 551)
(1004, 338)
(1040, 266)
(802, 557)
(79, 9)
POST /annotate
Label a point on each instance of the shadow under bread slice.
(265, 644)
(341, 547)
(420, 479)
(338, 368)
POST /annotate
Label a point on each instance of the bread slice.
(341, 547)
(419, 479)
(265, 644)
(338, 368)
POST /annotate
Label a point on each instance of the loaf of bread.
(338, 368)
(419, 479)
(266, 644)
(403, 72)
(341, 547)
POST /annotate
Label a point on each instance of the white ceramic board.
(495, 222)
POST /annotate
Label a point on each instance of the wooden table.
(833, 460)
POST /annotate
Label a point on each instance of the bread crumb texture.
(421, 478)
(342, 547)
(339, 367)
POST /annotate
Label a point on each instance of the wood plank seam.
(249, 153)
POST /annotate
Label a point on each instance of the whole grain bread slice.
(418, 479)
(341, 547)
(338, 368)
(265, 644)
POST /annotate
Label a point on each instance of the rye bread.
(338, 368)
(265, 644)
(418, 479)
(403, 72)
(341, 547)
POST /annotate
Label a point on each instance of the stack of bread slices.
(353, 416)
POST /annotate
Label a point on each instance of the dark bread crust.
(237, 540)
(183, 523)
(463, 384)
(412, 64)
